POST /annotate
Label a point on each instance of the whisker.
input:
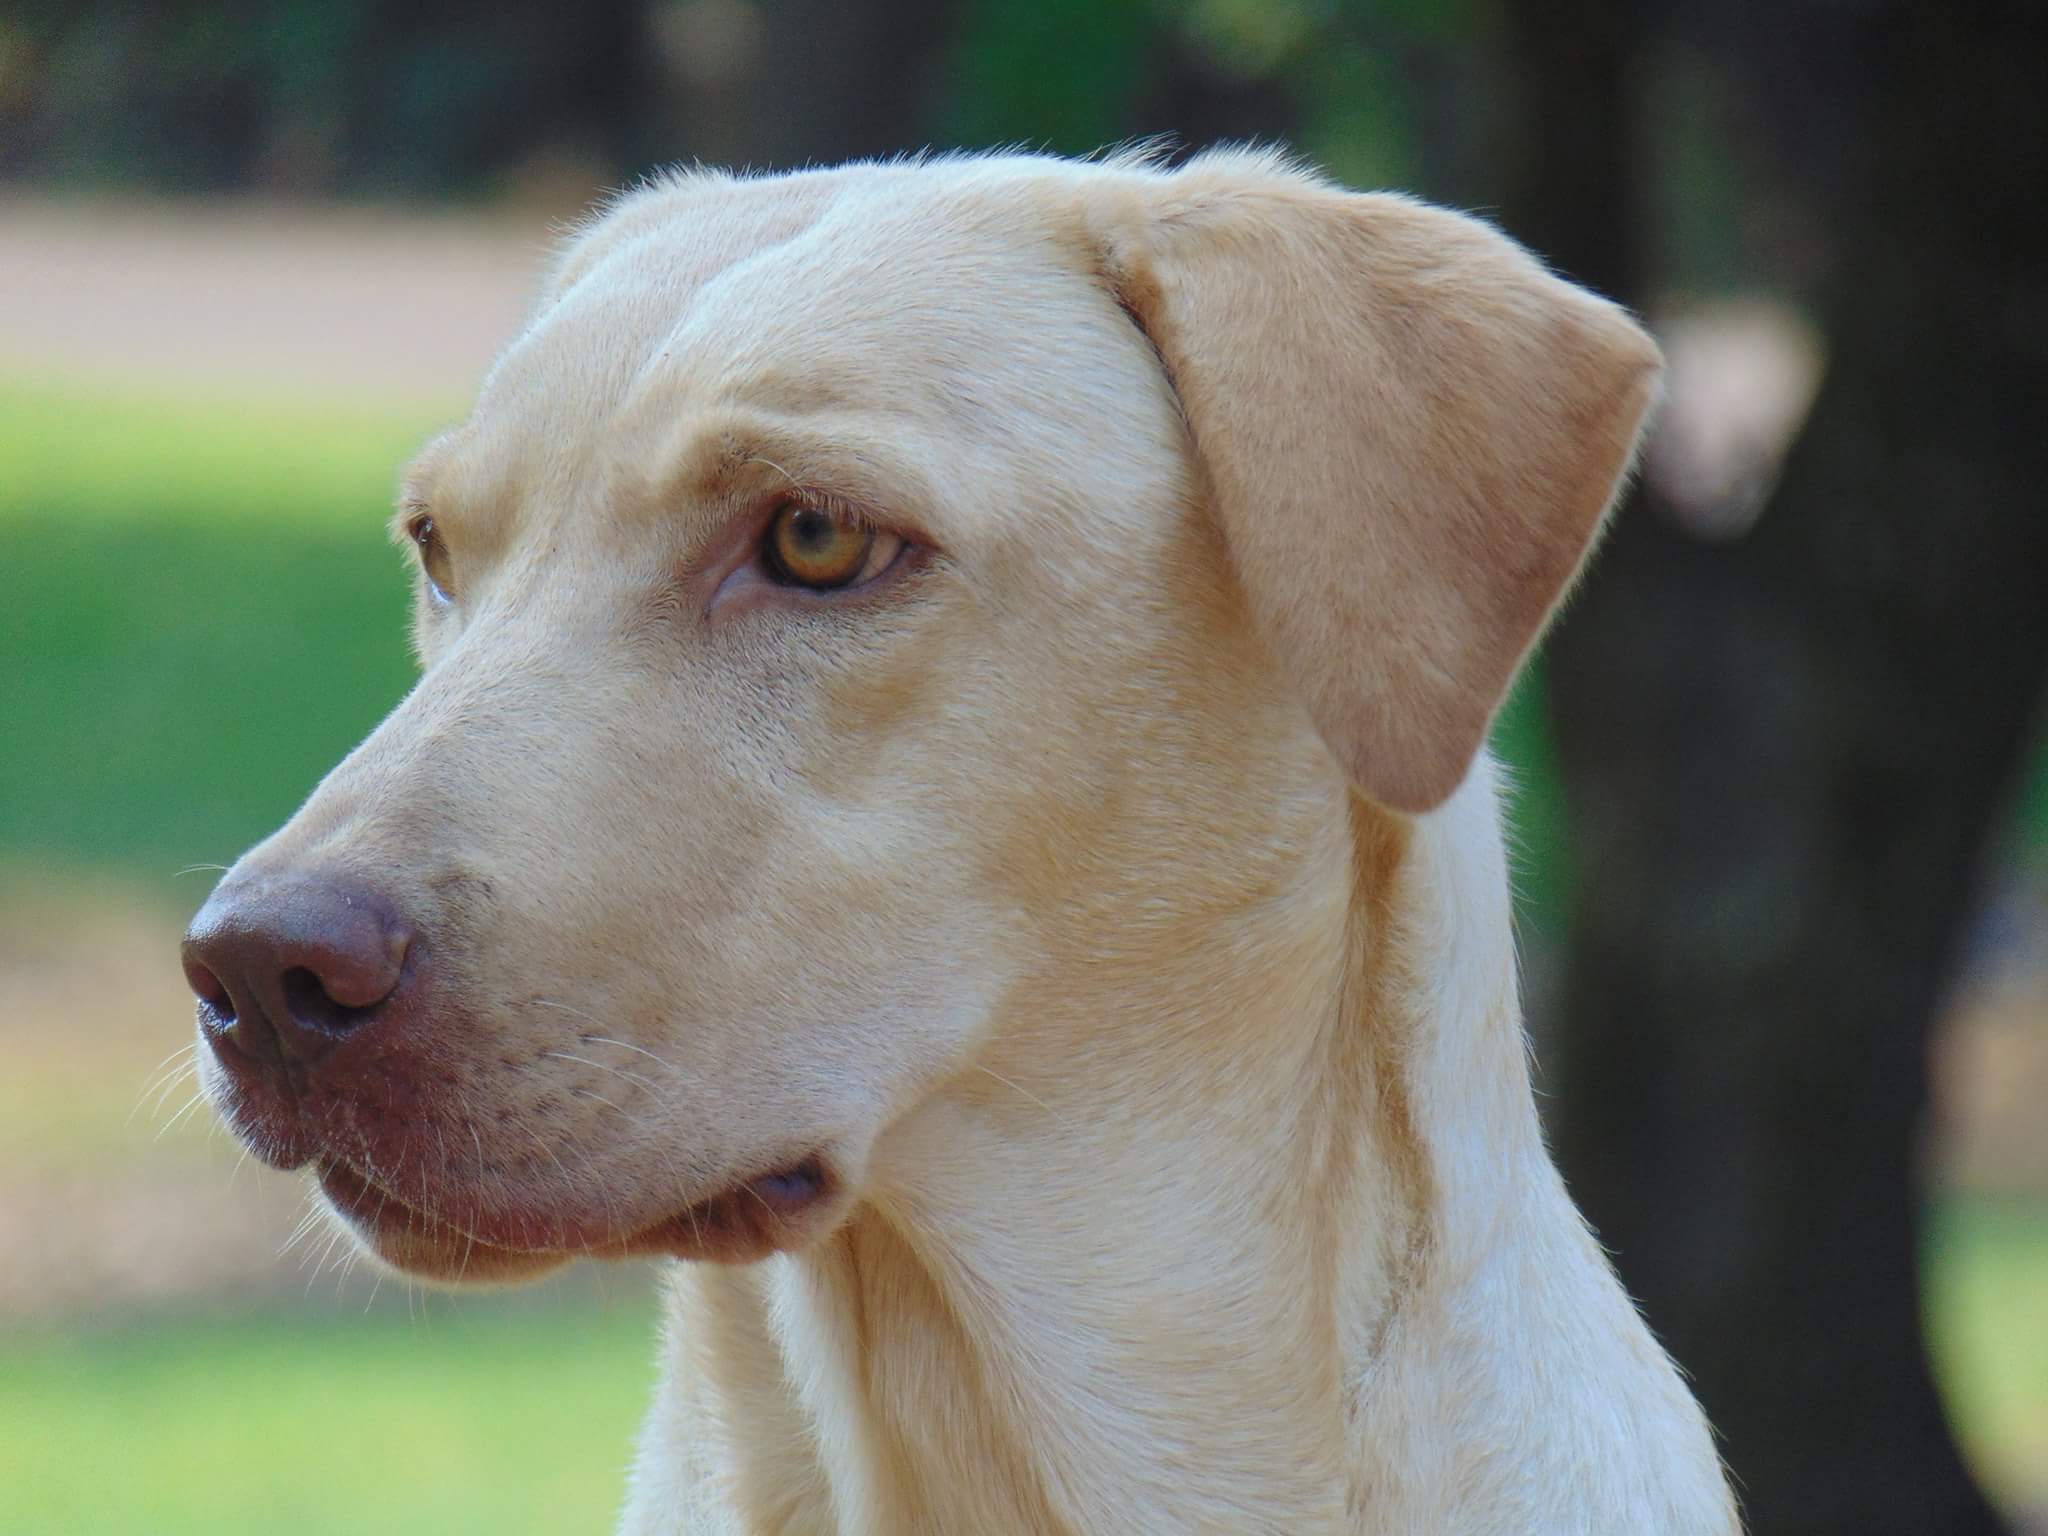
(631, 1077)
(184, 1075)
(351, 1256)
(1020, 1089)
(569, 1180)
(315, 1263)
(591, 1018)
(664, 1063)
(587, 1093)
(626, 1045)
(198, 1098)
(184, 1050)
(309, 1219)
(302, 1233)
(489, 1180)
(164, 1076)
(182, 1078)
(337, 1236)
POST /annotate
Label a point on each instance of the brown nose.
(287, 967)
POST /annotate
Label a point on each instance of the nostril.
(311, 1006)
(211, 991)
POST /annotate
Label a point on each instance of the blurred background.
(1783, 809)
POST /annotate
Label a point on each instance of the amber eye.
(809, 548)
(433, 556)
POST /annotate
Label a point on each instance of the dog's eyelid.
(859, 482)
(826, 504)
(417, 526)
(755, 514)
(411, 512)
(846, 507)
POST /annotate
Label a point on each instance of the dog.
(947, 790)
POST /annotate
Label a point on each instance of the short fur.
(1114, 898)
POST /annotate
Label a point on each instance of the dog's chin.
(747, 1220)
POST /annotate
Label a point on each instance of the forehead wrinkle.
(960, 330)
(578, 378)
(658, 255)
(875, 290)
(720, 348)
(746, 213)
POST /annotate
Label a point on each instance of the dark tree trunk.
(1785, 755)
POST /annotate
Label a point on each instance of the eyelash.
(825, 504)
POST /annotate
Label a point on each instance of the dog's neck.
(1290, 1256)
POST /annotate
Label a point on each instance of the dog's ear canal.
(1410, 430)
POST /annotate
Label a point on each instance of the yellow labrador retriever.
(948, 781)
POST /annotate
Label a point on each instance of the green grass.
(94, 453)
(203, 614)
(474, 1418)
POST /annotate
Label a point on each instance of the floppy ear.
(1410, 429)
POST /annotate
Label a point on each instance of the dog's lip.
(366, 1204)
(747, 1218)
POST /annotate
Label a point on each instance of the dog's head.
(848, 587)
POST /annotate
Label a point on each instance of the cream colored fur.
(1113, 895)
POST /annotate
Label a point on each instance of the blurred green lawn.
(202, 615)
(466, 1418)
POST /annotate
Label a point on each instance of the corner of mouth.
(796, 1186)
(750, 1218)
